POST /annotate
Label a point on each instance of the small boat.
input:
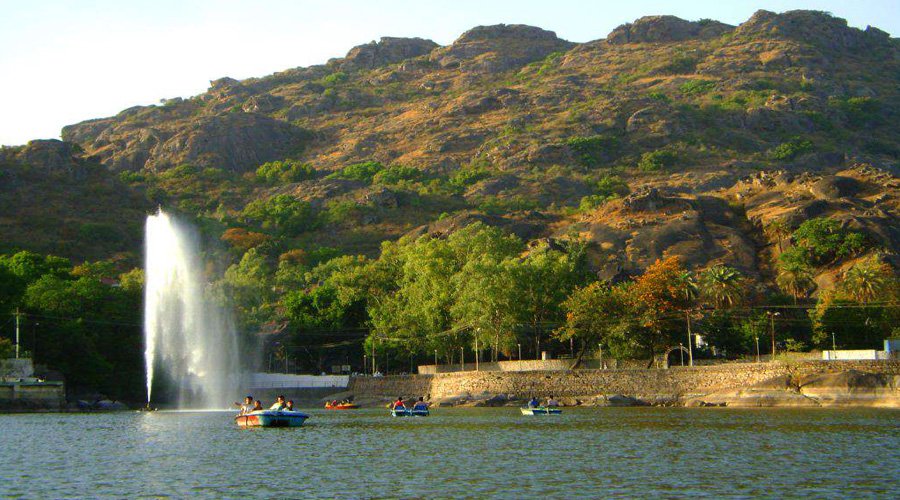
(271, 418)
(541, 410)
(410, 412)
(341, 406)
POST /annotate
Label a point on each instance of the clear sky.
(66, 61)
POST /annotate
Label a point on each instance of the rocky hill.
(666, 137)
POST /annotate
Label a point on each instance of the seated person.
(398, 405)
(420, 404)
(279, 403)
(289, 406)
(552, 402)
(533, 403)
(257, 406)
(246, 406)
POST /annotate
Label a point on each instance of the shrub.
(395, 174)
(500, 206)
(658, 96)
(363, 172)
(611, 186)
(859, 111)
(697, 87)
(591, 151)
(790, 150)
(335, 78)
(340, 211)
(284, 171)
(129, 177)
(468, 176)
(655, 161)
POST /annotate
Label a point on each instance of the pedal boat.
(271, 418)
(341, 406)
(410, 412)
(541, 410)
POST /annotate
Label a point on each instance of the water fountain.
(190, 342)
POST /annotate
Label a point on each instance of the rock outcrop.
(387, 50)
(498, 48)
(662, 29)
(816, 27)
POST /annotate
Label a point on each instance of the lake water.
(485, 452)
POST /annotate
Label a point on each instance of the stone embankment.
(807, 383)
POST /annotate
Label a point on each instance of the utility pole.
(690, 348)
(18, 315)
(757, 348)
(833, 344)
(772, 330)
(520, 351)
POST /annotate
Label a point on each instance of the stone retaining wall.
(674, 383)
(32, 396)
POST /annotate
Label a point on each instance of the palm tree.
(722, 285)
(795, 278)
(866, 280)
(778, 230)
(688, 290)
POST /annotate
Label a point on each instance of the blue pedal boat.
(409, 412)
(541, 410)
(271, 418)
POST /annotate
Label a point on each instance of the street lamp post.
(365, 364)
(435, 360)
(757, 348)
(833, 344)
(520, 351)
(690, 342)
(681, 352)
(462, 359)
(600, 346)
(772, 330)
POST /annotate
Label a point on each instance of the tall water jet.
(190, 342)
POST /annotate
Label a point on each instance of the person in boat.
(257, 406)
(279, 404)
(533, 403)
(289, 406)
(398, 405)
(246, 406)
(420, 404)
(551, 402)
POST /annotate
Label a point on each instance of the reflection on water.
(455, 453)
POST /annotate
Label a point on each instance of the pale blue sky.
(66, 61)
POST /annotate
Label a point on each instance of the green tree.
(594, 315)
(542, 281)
(281, 214)
(868, 280)
(794, 278)
(485, 300)
(722, 286)
(823, 240)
